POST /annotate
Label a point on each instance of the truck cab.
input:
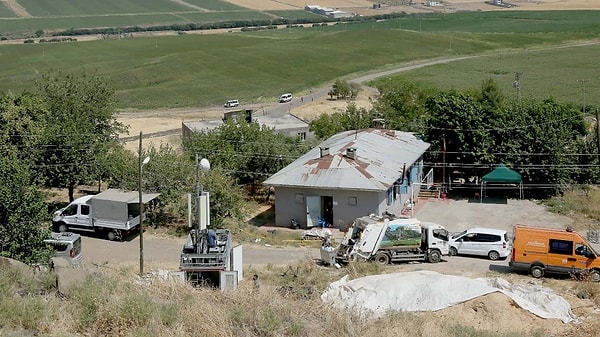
(76, 214)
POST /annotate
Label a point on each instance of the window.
(487, 238)
(302, 135)
(71, 210)
(352, 201)
(59, 247)
(85, 210)
(561, 247)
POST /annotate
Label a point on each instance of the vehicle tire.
(382, 258)
(435, 256)
(111, 235)
(537, 271)
(595, 275)
(453, 251)
(62, 227)
(493, 255)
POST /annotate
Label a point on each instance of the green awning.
(502, 174)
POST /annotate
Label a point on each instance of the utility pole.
(583, 83)
(517, 85)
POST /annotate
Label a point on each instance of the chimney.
(351, 153)
(323, 151)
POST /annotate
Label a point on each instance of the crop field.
(65, 14)
(44, 8)
(565, 74)
(215, 5)
(6, 13)
(64, 23)
(201, 70)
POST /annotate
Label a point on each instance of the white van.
(232, 103)
(66, 246)
(285, 98)
(489, 242)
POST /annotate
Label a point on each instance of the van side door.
(466, 244)
(561, 258)
(83, 215)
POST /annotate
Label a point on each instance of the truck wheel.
(493, 255)
(595, 275)
(537, 271)
(453, 251)
(62, 227)
(382, 258)
(434, 256)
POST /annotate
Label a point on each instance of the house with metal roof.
(351, 174)
(287, 124)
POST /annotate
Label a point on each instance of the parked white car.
(285, 98)
(489, 242)
(232, 103)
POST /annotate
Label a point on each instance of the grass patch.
(580, 203)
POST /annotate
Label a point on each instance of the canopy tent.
(502, 174)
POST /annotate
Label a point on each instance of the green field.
(557, 73)
(5, 12)
(215, 5)
(45, 8)
(200, 70)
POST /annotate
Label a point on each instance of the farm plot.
(63, 23)
(44, 8)
(544, 73)
(216, 5)
(225, 16)
(5, 11)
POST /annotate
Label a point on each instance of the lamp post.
(141, 205)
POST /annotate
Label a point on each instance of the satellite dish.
(205, 165)
(146, 160)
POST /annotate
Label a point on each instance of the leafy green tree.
(247, 151)
(79, 127)
(21, 212)
(353, 118)
(402, 105)
(459, 124)
(490, 94)
(340, 89)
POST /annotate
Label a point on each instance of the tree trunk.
(71, 191)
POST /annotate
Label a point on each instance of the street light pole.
(141, 205)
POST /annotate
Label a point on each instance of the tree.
(79, 127)
(340, 89)
(353, 118)
(247, 151)
(22, 211)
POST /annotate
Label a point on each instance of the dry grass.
(116, 303)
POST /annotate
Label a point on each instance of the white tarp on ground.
(431, 291)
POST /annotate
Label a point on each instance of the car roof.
(65, 236)
(485, 230)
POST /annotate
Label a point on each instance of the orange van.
(540, 250)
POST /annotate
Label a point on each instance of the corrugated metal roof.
(380, 157)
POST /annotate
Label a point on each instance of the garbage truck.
(113, 213)
(384, 240)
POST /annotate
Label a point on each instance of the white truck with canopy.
(385, 240)
(113, 212)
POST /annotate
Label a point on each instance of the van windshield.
(459, 234)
